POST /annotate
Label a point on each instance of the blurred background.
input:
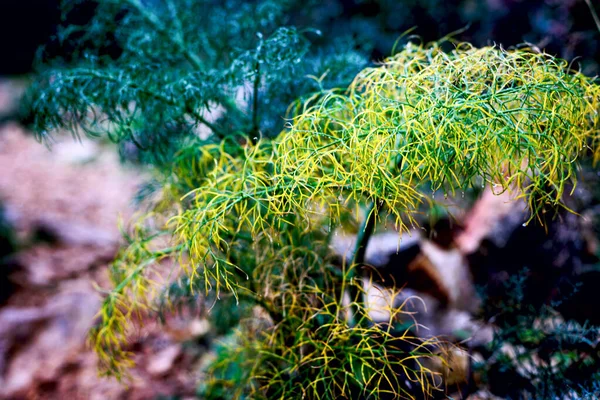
(60, 207)
(561, 27)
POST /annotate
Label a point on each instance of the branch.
(594, 15)
(362, 241)
(255, 130)
(364, 234)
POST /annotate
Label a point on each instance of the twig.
(362, 240)
(255, 129)
(594, 14)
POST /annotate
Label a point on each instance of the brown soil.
(72, 196)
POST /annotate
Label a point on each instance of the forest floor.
(64, 204)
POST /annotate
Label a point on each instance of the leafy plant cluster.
(186, 71)
(245, 204)
(259, 223)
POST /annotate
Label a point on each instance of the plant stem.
(362, 241)
(594, 15)
(364, 234)
(255, 130)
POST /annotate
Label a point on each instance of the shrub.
(251, 217)
(259, 222)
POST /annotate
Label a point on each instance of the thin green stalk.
(255, 129)
(594, 15)
(362, 241)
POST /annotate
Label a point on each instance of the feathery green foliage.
(187, 70)
(259, 221)
(513, 118)
(249, 212)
